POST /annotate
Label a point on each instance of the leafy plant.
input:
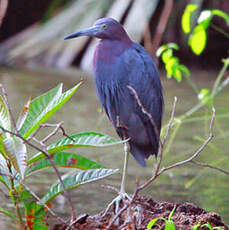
(198, 226)
(169, 224)
(198, 35)
(15, 167)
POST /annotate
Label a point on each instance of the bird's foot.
(122, 197)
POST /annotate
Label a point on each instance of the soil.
(145, 209)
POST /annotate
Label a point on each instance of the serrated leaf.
(45, 106)
(197, 40)
(65, 160)
(7, 213)
(89, 139)
(75, 179)
(17, 153)
(186, 18)
(35, 215)
(221, 14)
(23, 115)
(38, 107)
(4, 115)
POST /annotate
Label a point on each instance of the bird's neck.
(107, 51)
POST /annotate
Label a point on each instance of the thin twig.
(210, 166)
(53, 133)
(170, 122)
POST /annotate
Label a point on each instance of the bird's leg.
(122, 195)
(127, 152)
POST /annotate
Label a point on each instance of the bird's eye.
(104, 26)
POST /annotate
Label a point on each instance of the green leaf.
(207, 226)
(177, 74)
(75, 179)
(7, 213)
(152, 222)
(38, 108)
(167, 55)
(170, 66)
(89, 139)
(45, 106)
(196, 227)
(205, 18)
(4, 115)
(23, 115)
(5, 179)
(169, 225)
(35, 215)
(222, 14)
(17, 153)
(163, 48)
(186, 18)
(204, 95)
(198, 38)
(184, 69)
(65, 160)
(171, 213)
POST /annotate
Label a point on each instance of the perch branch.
(210, 166)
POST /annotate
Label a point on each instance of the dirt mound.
(145, 209)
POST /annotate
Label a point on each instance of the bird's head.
(104, 28)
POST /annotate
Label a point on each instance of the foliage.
(199, 226)
(198, 35)
(205, 95)
(172, 66)
(15, 168)
(169, 224)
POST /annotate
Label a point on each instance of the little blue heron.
(120, 65)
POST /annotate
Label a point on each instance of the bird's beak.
(86, 32)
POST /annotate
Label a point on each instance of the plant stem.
(15, 199)
(192, 84)
(215, 27)
(219, 77)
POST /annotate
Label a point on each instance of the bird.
(129, 89)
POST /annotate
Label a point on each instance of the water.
(202, 186)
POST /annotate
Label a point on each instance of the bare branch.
(196, 154)
(171, 121)
(210, 166)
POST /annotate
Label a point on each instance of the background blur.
(34, 58)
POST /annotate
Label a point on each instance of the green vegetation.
(169, 224)
(15, 168)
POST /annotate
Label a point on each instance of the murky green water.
(202, 186)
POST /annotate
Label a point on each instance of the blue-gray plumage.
(118, 63)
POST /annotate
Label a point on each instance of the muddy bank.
(145, 209)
